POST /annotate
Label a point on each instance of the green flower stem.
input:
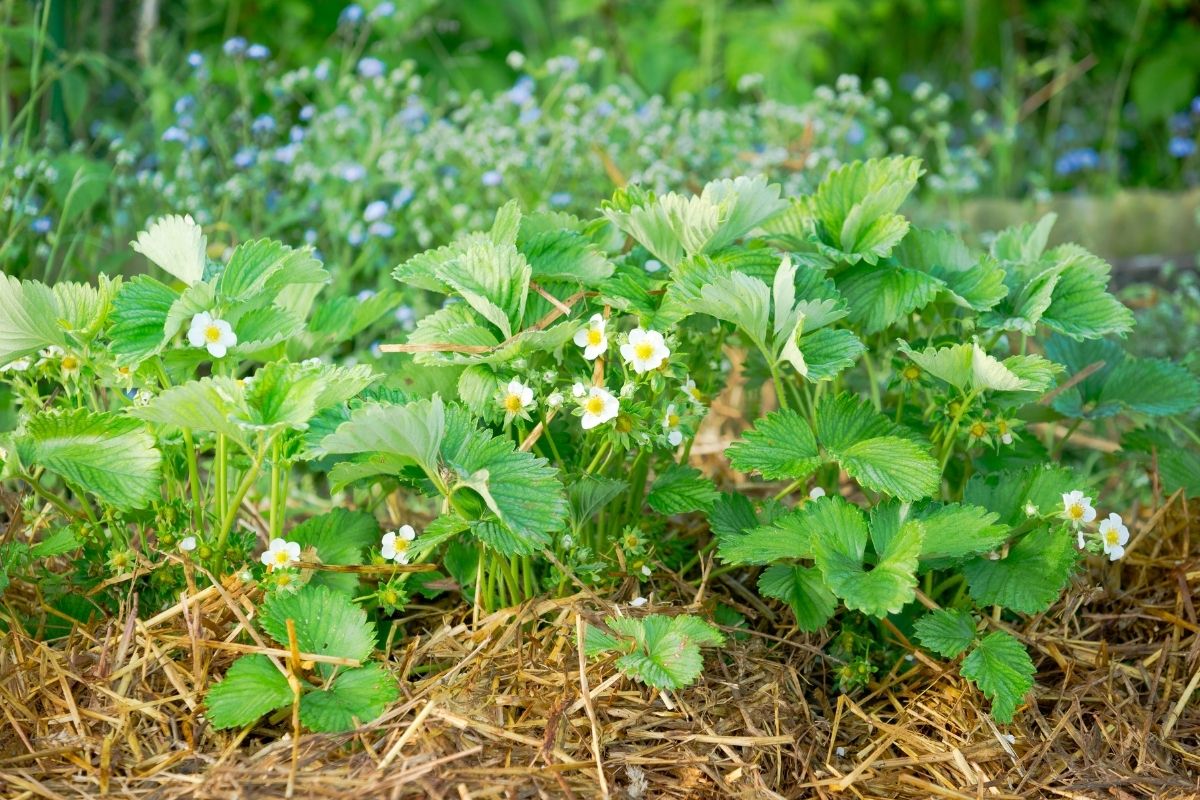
(277, 496)
(193, 458)
(550, 439)
(952, 433)
(221, 469)
(231, 514)
(600, 453)
(872, 380)
(50, 497)
(780, 395)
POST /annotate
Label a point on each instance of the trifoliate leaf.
(742, 300)
(63, 540)
(856, 205)
(660, 651)
(561, 255)
(839, 551)
(947, 631)
(1024, 242)
(209, 404)
(967, 368)
(680, 489)
(139, 319)
(327, 623)
(1030, 578)
(408, 433)
(493, 279)
(110, 456)
(787, 536)
(1002, 669)
(880, 296)
(969, 281)
(780, 445)
(1151, 386)
(355, 697)
(1007, 493)
(261, 268)
(252, 687)
(339, 537)
(956, 531)
(803, 590)
(1080, 306)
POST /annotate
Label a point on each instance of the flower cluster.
(1112, 533)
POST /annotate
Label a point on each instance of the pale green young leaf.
(261, 328)
(1002, 669)
(252, 687)
(969, 281)
(957, 531)
(506, 225)
(780, 445)
(1081, 306)
(742, 300)
(209, 404)
(856, 206)
(354, 698)
(110, 456)
(824, 354)
(493, 279)
(83, 308)
(1030, 577)
(327, 622)
(670, 227)
(263, 267)
(28, 319)
(803, 590)
(405, 432)
(559, 255)
(681, 489)
(745, 202)
(946, 631)
(1023, 243)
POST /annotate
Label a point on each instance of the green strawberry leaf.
(327, 623)
(680, 489)
(947, 632)
(252, 687)
(355, 697)
(803, 590)
(1002, 669)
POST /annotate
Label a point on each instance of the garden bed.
(505, 706)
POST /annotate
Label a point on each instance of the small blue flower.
(352, 173)
(321, 71)
(41, 225)
(1196, 105)
(258, 52)
(604, 109)
(375, 210)
(355, 237)
(174, 134)
(287, 153)
(384, 9)
(855, 134)
(560, 199)
(263, 123)
(235, 46)
(1180, 123)
(405, 315)
(492, 178)
(1181, 147)
(310, 236)
(195, 60)
(521, 92)
(530, 115)
(1077, 160)
(295, 134)
(365, 295)
(308, 112)
(351, 15)
(370, 67)
(245, 157)
(983, 79)
(402, 197)
(382, 230)
(184, 105)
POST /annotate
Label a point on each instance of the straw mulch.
(505, 706)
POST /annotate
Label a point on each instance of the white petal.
(590, 421)
(581, 337)
(217, 349)
(1115, 552)
(293, 550)
(674, 438)
(407, 533)
(188, 544)
(267, 557)
(638, 602)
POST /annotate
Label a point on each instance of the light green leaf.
(1155, 387)
(898, 467)
(252, 687)
(28, 319)
(209, 404)
(742, 300)
(971, 282)
(660, 651)
(493, 279)
(788, 536)
(354, 698)
(560, 255)
(139, 318)
(404, 432)
(63, 540)
(589, 494)
(882, 296)
(803, 590)
(1030, 577)
(1081, 306)
(780, 445)
(839, 551)
(827, 352)
(262, 267)
(1002, 669)
(111, 456)
(327, 623)
(680, 489)
(956, 531)
(856, 206)
(946, 631)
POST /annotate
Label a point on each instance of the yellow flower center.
(282, 557)
(512, 404)
(594, 405)
(594, 336)
(1111, 536)
(693, 393)
(978, 429)
(643, 351)
(123, 371)
(70, 363)
(283, 580)
(212, 334)
(911, 373)
(401, 545)
(1075, 511)
(672, 420)
(1002, 426)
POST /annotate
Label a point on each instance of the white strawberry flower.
(645, 350)
(638, 602)
(1113, 536)
(554, 400)
(689, 388)
(187, 544)
(592, 338)
(515, 398)
(395, 544)
(670, 425)
(216, 335)
(1077, 509)
(599, 407)
(176, 244)
(281, 553)
(578, 389)
(646, 570)
(815, 493)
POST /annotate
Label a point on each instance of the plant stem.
(231, 514)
